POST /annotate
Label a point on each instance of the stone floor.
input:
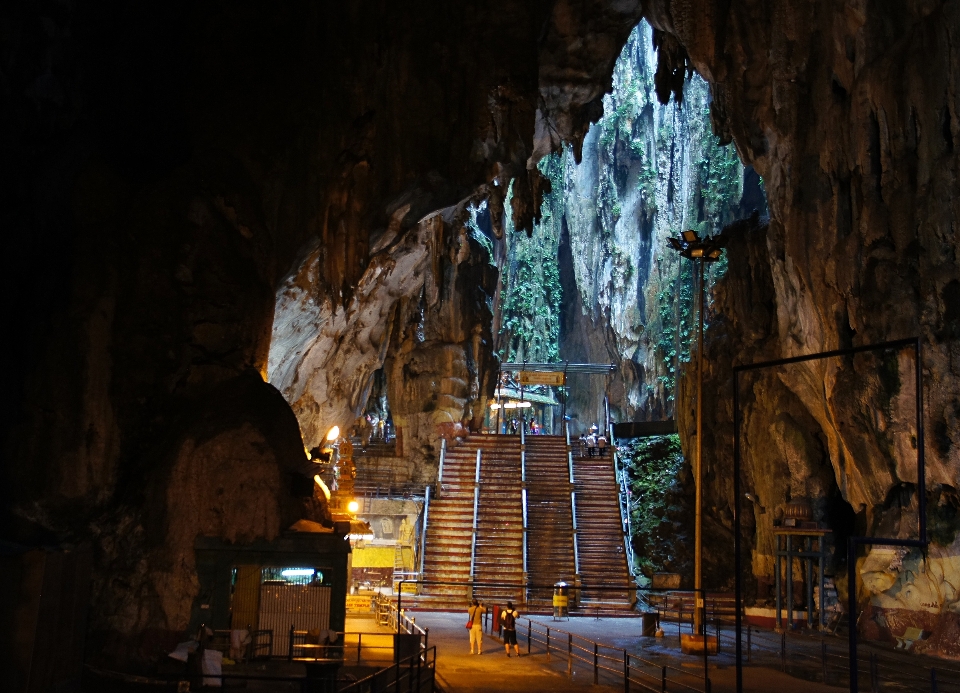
(460, 672)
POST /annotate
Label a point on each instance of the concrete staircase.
(450, 533)
(549, 517)
(499, 554)
(603, 560)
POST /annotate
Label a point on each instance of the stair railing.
(523, 456)
(443, 455)
(620, 474)
(576, 548)
(573, 504)
(422, 548)
(476, 506)
(523, 495)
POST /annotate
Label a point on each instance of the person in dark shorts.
(508, 619)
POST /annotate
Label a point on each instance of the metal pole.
(852, 610)
(808, 561)
(626, 672)
(499, 397)
(823, 659)
(698, 531)
(563, 415)
(596, 665)
(423, 529)
(788, 576)
(783, 651)
(738, 562)
(703, 621)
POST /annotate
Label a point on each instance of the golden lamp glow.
(333, 433)
(353, 506)
(323, 486)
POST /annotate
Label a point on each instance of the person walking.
(475, 617)
(508, 619)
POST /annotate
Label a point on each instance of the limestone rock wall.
(648, 171)
(848, 112)
(422, 311)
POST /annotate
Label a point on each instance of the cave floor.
(460, 672)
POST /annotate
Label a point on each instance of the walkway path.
(460, 672)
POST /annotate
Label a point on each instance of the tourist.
(602, 445)
(475, 619)
(508, 619)
(591, 444)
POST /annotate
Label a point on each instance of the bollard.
(680, 621)
(783, 651)
(663, 680)
(359, 642)
(874, 673)
(529, 630)
(596, 665)
(419, 662)
(569, 654)
(548, 643)
(626, 672)
(290, 653)
(749, 642)
(823, 659)
(933, 681)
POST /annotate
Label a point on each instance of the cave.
(232, 227)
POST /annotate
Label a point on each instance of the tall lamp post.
(708, 249)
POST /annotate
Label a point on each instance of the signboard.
(358, 602)
(541, 378)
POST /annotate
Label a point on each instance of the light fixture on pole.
(708, 249)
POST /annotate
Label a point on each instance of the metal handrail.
(620, 474)
(443, 455)
(427, 659)
(476, 506)
(599, 656)
(423, 529)
(576, 542)
(523, 497)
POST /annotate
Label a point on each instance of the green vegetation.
(675, 303)
(531, 304)
(656, 509)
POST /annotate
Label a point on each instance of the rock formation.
(849, 115)
(648, 171)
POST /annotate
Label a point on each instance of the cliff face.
(648, 171)
(849, 115)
